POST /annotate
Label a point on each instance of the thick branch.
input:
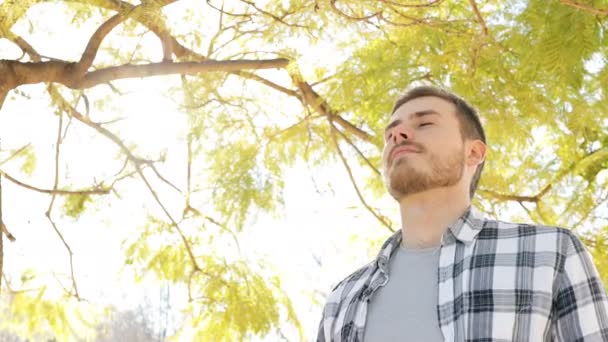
(308, 96)
(95, 41)
(19, 73)
(156, 26)
(314, 100)
(3, 94)
(191, 68)
(311, 97)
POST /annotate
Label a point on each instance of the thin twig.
(602, 200)
(94, 191)
(332, 4)
(585, 7)
(135, 160)
(276, 18)
(350, 142)
(482, 22)
(353, 182)
(14, 154)
(508, 197)
(432, 3)
(221, 226)
(50, 208)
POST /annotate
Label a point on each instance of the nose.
(399, 134)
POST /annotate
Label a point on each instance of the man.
(449, 274)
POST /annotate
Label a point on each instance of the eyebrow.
(418, 115)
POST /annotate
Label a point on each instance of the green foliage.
(535, 70)
(32, 316)
(75, 205)
(228, 300)
(28, 157)
(237, 303)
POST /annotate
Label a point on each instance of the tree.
(252, 108)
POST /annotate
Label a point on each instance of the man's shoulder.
(505, 230)
(353, 282)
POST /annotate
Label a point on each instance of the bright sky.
(315, 226)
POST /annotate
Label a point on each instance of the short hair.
(470, 126)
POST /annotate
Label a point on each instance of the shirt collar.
(464, 229)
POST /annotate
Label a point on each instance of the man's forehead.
(425, 104)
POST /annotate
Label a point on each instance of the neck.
(425, 216)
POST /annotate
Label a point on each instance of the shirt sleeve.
(321, 331)
(329, 313)
(580, 305)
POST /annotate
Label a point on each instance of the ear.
(476, 153)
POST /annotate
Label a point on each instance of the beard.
(403, 178)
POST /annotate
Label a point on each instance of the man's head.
(433, 139)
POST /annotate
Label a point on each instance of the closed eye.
(425, 124)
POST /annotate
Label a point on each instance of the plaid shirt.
(498, 281)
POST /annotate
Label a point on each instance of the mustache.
(417, 146)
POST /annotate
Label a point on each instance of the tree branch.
(367, 161)
(14, 154)
(54, 191)
(3, 93)
(276, 18)
(190, 68)
(312, 99)
(50, 208)
(432, 3)
(270, 84)
(602, 200)
(310, 96)
(505, 197)
(6, 232)
(352, 179)
(332, 4)
(587, 159)
(62, 103)
(482, 22)
(156, 26)
(585, 7)
(86, 60)
(19, 73)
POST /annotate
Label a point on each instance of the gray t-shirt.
(405, 309)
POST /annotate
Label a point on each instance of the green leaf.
(75, 205)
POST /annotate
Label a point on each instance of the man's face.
(423, 147)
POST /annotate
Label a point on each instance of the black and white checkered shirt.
(498, 281)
